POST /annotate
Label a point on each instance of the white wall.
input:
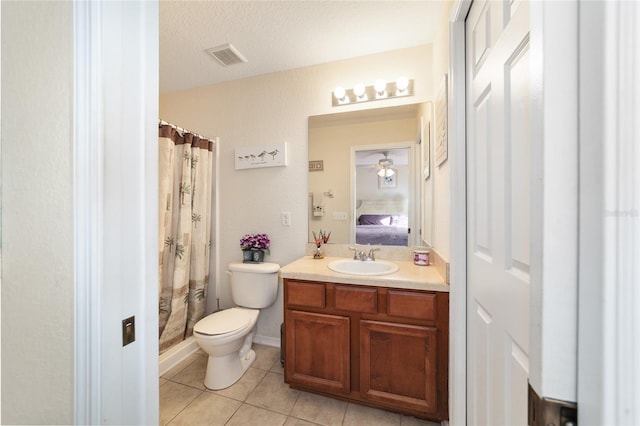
(441, 174)
(275, 108)
(37, 220)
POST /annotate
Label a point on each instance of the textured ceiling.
(280, 35)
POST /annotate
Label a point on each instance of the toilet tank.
(254, 285)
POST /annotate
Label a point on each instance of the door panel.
(498, 188)
(516, 394)
(517, 151)
(479, 353)
(481, 227)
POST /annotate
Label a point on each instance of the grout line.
(183, 408)
(236, 410)
(189, 386)
(276, 412)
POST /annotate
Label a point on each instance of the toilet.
(227, 335)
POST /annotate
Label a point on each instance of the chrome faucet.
(357, 254)
(370, 255)
(362, 255)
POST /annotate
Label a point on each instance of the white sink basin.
(359, 267)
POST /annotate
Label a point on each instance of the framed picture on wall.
(253, 157)
(385, 182)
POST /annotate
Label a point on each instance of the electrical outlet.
(286, 218)
(339, 216)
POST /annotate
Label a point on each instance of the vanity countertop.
(409, 276)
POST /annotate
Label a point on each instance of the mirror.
(369, 179)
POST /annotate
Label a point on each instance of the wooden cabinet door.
(398, 365)
(317, 351)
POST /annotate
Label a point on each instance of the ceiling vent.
(227, 55)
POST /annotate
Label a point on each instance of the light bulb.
(339, 92)
(358, 89)
(385, 172)
(402, 83)
(380, 86)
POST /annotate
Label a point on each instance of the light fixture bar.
(370, 93)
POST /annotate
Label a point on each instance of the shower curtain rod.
(182, 130)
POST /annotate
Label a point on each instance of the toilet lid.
(222, 322)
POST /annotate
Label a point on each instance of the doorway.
(383, 195)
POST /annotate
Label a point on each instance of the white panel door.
(498, 205)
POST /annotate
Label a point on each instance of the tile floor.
(260, 397)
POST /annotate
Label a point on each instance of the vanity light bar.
(378, 91)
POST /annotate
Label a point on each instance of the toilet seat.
(223, 322)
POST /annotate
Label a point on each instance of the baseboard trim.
(182, 350)
(172, 356)
(267, 341)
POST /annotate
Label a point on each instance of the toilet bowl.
(227, 336)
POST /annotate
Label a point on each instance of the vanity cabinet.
(319, 349)
(377, 346)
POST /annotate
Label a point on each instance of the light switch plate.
(286, 218)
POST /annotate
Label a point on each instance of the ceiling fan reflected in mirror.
(384, 165)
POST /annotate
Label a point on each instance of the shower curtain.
(184, 202)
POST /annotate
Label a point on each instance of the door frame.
(87, 355)
(458, 269)
(115, 211)
(609, 326)
(87, 201)
(414, 212)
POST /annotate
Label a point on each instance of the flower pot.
(253, 256)
(258, 256)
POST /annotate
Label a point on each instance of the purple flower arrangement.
(255, 241)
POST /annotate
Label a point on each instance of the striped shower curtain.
(184, 202)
